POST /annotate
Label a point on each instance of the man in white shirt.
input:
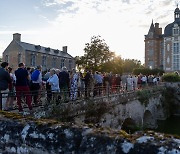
(144, 81)
(53, 81)
(129, 83)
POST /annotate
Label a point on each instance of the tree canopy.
(98, 57)
(97, 53)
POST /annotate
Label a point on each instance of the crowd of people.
(28, 83)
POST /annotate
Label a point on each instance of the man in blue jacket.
(5, 79)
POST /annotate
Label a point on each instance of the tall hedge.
(171, 77)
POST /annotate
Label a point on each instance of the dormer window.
(151, 34)
(176, 31)
(37, 47)
(47, 49)
(56, 51)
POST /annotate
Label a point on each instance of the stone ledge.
(27, 135)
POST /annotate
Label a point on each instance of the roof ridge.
(40, 45)
(31, 47)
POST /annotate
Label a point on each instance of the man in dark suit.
(5, 79)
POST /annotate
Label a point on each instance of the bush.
(171, 77)
(144, 96)
(147, 71)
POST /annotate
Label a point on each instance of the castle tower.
(153, 45)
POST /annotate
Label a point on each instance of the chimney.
(157, 28)
(17, 37)
(64, 49)
(160, 31)
(156, 25)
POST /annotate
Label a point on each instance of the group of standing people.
(62, 84)
(25, 83)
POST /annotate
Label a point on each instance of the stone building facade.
(163, 50)
(153, 47)
(33, 55)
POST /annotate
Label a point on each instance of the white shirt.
(129, 81)
(135, 79)
(144, 79)
(155, 80)
(54, 81)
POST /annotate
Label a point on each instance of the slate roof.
(169, 28)
(44, 50)
(151, 29)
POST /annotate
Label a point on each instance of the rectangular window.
(54, 62)
(7, 58)
(44, 61)
(33, 60)
(151, 52)
(176, 48)
(176, 62)
(151, 43)
(19, 58)
(151, 64)
(62, 62)
(70, 64)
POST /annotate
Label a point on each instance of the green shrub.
(144, 96)
(147, 71)
(171, 77)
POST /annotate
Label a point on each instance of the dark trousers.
(35, 91)
(20, 91)
(87, 90)
(49, 93)
(97, 89)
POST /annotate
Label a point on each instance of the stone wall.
(174, 90)
(114, 111)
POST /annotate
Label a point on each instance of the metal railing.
(71, 95)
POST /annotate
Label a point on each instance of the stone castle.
(163, 50)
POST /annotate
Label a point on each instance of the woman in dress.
(74, 85)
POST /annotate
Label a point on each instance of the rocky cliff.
(28, 135)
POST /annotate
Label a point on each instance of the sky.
(56, 23)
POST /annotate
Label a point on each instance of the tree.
(130, 64)
(98, 57)
(80, 62)
(97, 53)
